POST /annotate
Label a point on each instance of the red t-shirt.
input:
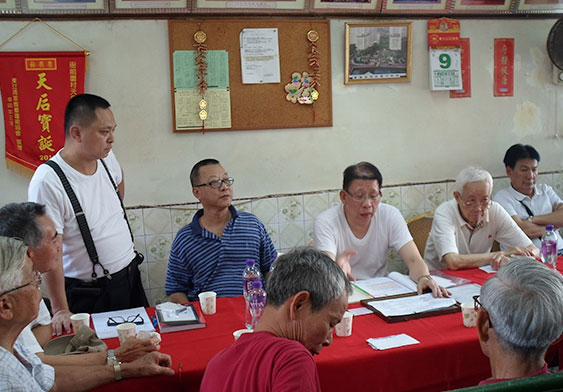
(261, 362)
(543, 370)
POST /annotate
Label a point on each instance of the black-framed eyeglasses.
(36, 282)
(116, 320)
(374, 198)
(477, 305)
(216, 184)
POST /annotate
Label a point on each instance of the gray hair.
(524, 301)
(306, 269)
(18, 220)
(472, 174)
(12, 261)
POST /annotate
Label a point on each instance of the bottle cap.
(250, 262)
(256, 284)
(549, 227)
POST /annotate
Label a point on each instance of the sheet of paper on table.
(465, 293)
(105, 332)
(360, 311)
(392, 341)
(488, 269)
(411, 305)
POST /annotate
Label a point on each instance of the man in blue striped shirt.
(209, 254)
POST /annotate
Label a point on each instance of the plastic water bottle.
(251, 274)
(549, 247)
(257, 302)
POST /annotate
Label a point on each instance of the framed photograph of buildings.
(9, 7)
(378, 52)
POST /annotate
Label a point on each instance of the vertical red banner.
(465, 71)
(36, 87)
(504, 67)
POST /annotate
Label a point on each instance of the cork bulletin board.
(262, 106)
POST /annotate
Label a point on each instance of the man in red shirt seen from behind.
(307, 296)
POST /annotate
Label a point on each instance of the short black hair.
(18, 220)
(361, 171)
(519, 151)
(194, 174)
(81, 109)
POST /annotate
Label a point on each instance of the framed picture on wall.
(540, 6)
(65, 6)
(9, 7)
(415, 6)
(378, 52)
(346, 6)
(249, 6)
(482, 6)
(149, 6)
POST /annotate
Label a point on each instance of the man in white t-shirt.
(112, 281)
(463, 229)
(531, 205)
(358, 233)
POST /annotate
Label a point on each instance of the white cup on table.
(208, 302)
(126, 331)
(469, 314)
(344, 327)
(78, 320)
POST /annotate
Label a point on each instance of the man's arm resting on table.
(532, 230)
(455, 261)
(83, 378)
(418, 270)
(179, 298)
(56, 288)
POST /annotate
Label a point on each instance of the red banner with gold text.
(36, 87)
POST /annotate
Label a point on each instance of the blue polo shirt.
(202, 261)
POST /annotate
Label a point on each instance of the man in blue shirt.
(209, 254)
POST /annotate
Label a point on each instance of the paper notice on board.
(187, 109)
(260, 56)
(185, 69)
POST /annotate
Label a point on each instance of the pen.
(362, 290)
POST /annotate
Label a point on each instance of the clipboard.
(395, 319)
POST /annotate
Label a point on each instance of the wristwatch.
(529, 219)
(112, 359)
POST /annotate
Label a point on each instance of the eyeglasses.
(216, 184)
(374, 198)
(116, 320)
(484, 204)
(477, 305)
(36, 282)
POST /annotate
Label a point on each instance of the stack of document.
(173, 317)
(411, 305)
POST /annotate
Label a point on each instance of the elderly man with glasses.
(209, 254)
(464, 228)
(358, 233)
(520, 316)
(22, 370)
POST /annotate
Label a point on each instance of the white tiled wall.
(288, 219)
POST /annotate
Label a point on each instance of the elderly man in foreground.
(521, 314)
(307, 296)
(464, 229)
(22, 370)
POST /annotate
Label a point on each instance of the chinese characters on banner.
(36, 87)
(504, 67)
(465, 92)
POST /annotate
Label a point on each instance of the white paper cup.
(126, 331)
(239, 332)
(145, 335)
(344, 327)
(468, 314)
(78, 320)
(208, 302)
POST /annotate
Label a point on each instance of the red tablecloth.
(448, 356)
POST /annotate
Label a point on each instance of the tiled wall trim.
(288, 218)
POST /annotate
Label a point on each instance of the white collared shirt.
(450, 233)
(540, 204)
